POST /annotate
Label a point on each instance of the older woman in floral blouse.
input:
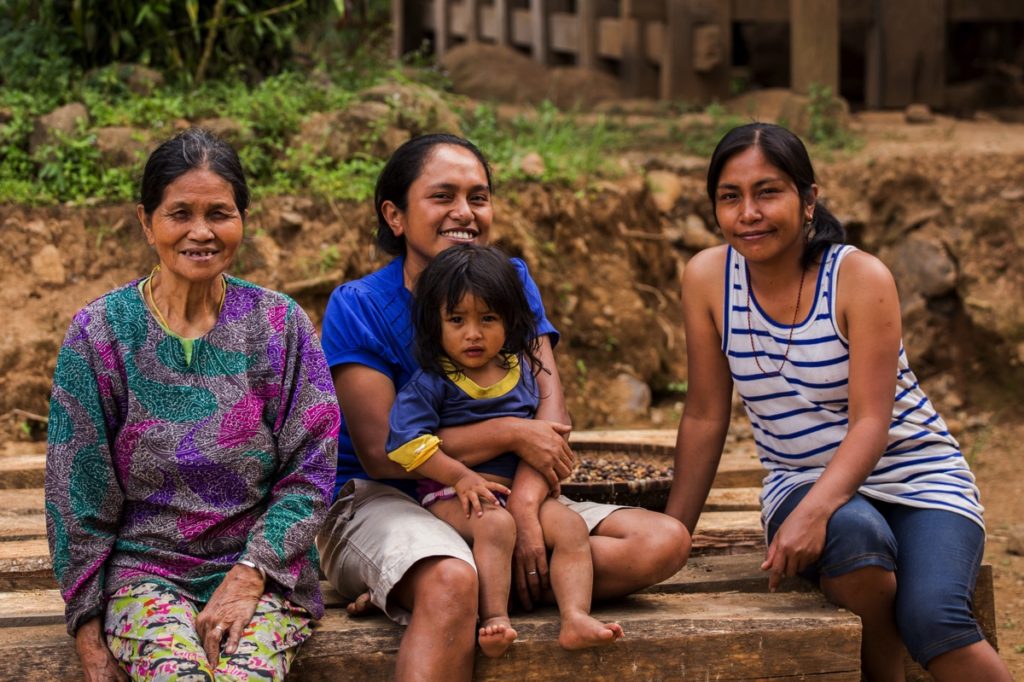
(192, 444)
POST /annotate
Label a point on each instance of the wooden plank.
(540, 46)
(471, 27)
(813, 45)
(502, 33)
(586, 34)
(25, 565)
(907, 62)
(639, 75)
(22, 471)
(440, 27)
(733, 499)
(728, 636)
(15, 501)
(563, 32)
(31, 607)
(675, 63)
(728, 533)
(985, 10)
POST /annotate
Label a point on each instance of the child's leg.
(493, 538)
(572, 577)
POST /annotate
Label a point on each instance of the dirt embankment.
(943, 206)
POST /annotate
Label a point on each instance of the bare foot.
(580, 631)
(361, 606)
(496, 636)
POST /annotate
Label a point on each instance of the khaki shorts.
(374, 533)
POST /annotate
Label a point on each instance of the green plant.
(826, 120)
(330, 256)
(572, 151)
(71, 169)
(680, 387)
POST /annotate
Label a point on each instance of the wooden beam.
(639, 75)
(440, 28)
(472, 20)
(813, 45)
(22, 471)
(725, 636)
(586, 55)
(502, 34)
(906, 63)
(540, 45)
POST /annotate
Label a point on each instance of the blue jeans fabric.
(936, 555)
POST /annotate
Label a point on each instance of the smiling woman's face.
(448, 204)
(197, 227)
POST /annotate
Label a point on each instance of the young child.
(476, 347)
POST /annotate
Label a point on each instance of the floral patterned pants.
(151, 630)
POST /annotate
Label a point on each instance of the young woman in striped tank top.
(866, 491)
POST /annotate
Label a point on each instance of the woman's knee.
(659, 541)
(445, 586)
(933, 619)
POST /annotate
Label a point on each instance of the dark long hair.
(487, 273)
(785, 151)
(188, 150)
(401, 170)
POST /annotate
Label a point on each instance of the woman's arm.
(869, 315)
(540, 442)
(306, 437)
(708, 406)
(83, 497)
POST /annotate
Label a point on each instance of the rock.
(143, 80)
(1012, 194)
(416, 108)
(263, 253)
(64, 120)
(795, 114)
(340, 134)
(121, 145)
(692, 234)
(921, 264)
(1015, 541)
(490, 72)
(665, 188)
(6, 115)
(292, 219)
(227, 128)
(532, 165)
(918, 113)
(759, 105)
(628, 397)
(47, 265)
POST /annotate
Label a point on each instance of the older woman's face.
(197, 228)
(448, 204)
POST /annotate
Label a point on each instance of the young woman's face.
(471, 333)
(759, 209)
(448, 204)
(197, 228)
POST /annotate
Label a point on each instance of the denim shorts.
(936, 555)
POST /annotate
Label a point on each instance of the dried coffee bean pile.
(616, 467)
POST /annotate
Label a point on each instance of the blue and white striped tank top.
(799, 417)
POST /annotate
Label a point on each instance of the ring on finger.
(531, 573)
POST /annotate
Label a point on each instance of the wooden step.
(677, 636)
(22, 471)
(25, 563)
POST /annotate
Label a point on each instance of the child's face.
(471, 334)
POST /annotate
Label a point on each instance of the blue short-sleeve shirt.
(369, 322)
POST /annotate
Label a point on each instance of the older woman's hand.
(98, 664)
(229, 611)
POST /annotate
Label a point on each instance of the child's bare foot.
(496, 636)
(361, 606)
(580, 631)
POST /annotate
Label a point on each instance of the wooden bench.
(712, 620)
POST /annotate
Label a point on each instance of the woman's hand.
(544, 446)
(98, 663)
(471, 487)
(229, 611)
(797, 544)
(530, 560)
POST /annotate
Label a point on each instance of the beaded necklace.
(789, 340)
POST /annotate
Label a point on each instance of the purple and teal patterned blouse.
(158, 470)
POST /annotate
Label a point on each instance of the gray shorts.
(374, 533)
